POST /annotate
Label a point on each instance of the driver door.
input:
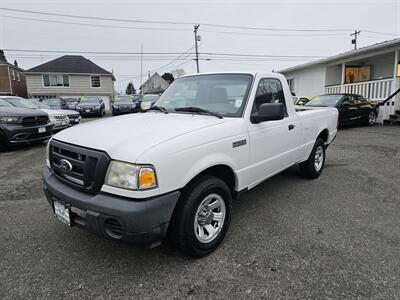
(273, 144)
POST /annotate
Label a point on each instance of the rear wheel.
(202, 216)
(314, 165)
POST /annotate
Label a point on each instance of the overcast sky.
(17, 32)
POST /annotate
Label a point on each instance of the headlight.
(10, 120)
(48, 154)
(116, 106)
(97, 107)
(130, 176)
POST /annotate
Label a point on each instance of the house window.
(56, 80)
(12, 75)
(95, 81)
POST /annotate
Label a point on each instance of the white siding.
(78, 85)
(308, 82)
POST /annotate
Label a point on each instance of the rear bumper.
(17, 134)
(139, 221)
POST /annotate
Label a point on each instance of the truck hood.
(129, 136)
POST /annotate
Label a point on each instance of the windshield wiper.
(198, 110)
(160, 108)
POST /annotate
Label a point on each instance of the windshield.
(223, 94)
(41, 105)
(52, 102)
(20, 102)
(150, 98)
(123, 99)
(90, 99)
(71, 100)
(324, 100)
(4, 103)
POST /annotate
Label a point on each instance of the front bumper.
(89, 111)
(139, 221)
(60, 124)
(123, 110)
(18, 134)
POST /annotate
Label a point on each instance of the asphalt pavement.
(334, 237)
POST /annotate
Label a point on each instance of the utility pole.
(141, 67)
(354, 41)
(196, 39)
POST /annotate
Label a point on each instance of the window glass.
(56, 80)
(269, 90)
(324, 100)
(95, 81)
(225, 94)
(46, 80)
(4, 103)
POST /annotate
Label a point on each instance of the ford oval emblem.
(65, 165)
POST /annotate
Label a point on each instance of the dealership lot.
(337, 236)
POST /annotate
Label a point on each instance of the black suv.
(91, 105)
(22, 125)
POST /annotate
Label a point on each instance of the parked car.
(71, 103)
(73, 116)
(22, 125)
(148, 101)
(58, 118)
(123, 104)
(57, 103)
(353, 109)
(301, 100)
(137, 99)
(91, 105)
(177, 168)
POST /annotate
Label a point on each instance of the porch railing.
(375, 90)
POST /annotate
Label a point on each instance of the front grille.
(87, 167)
(36, 120)
(60, 117)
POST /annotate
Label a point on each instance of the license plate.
(62, 213)
(76, 120)
(88, 110)
(42, 129)
(63, 123)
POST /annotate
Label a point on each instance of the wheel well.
(324, 135)
(223, 172)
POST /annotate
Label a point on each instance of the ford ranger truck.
(173, 171)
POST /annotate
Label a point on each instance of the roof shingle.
(71, 64)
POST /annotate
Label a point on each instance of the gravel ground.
(334, 237)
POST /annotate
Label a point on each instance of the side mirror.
(345, 104)
(268, 112)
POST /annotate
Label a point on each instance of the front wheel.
(314, 165)
(202, 216)
(371, 118)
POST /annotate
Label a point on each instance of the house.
(70, 76)
(12, 78)
(155, 84)
(371, 71)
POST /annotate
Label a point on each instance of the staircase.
(394, 119)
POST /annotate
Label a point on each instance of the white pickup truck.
(174, 170)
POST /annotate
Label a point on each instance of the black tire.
(2, 144)
(309, 168)
(182, 228)
(371, 119)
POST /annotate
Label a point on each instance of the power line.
(171, 22)
(96, 25)
(120, 53)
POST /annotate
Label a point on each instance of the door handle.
(291, 126)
